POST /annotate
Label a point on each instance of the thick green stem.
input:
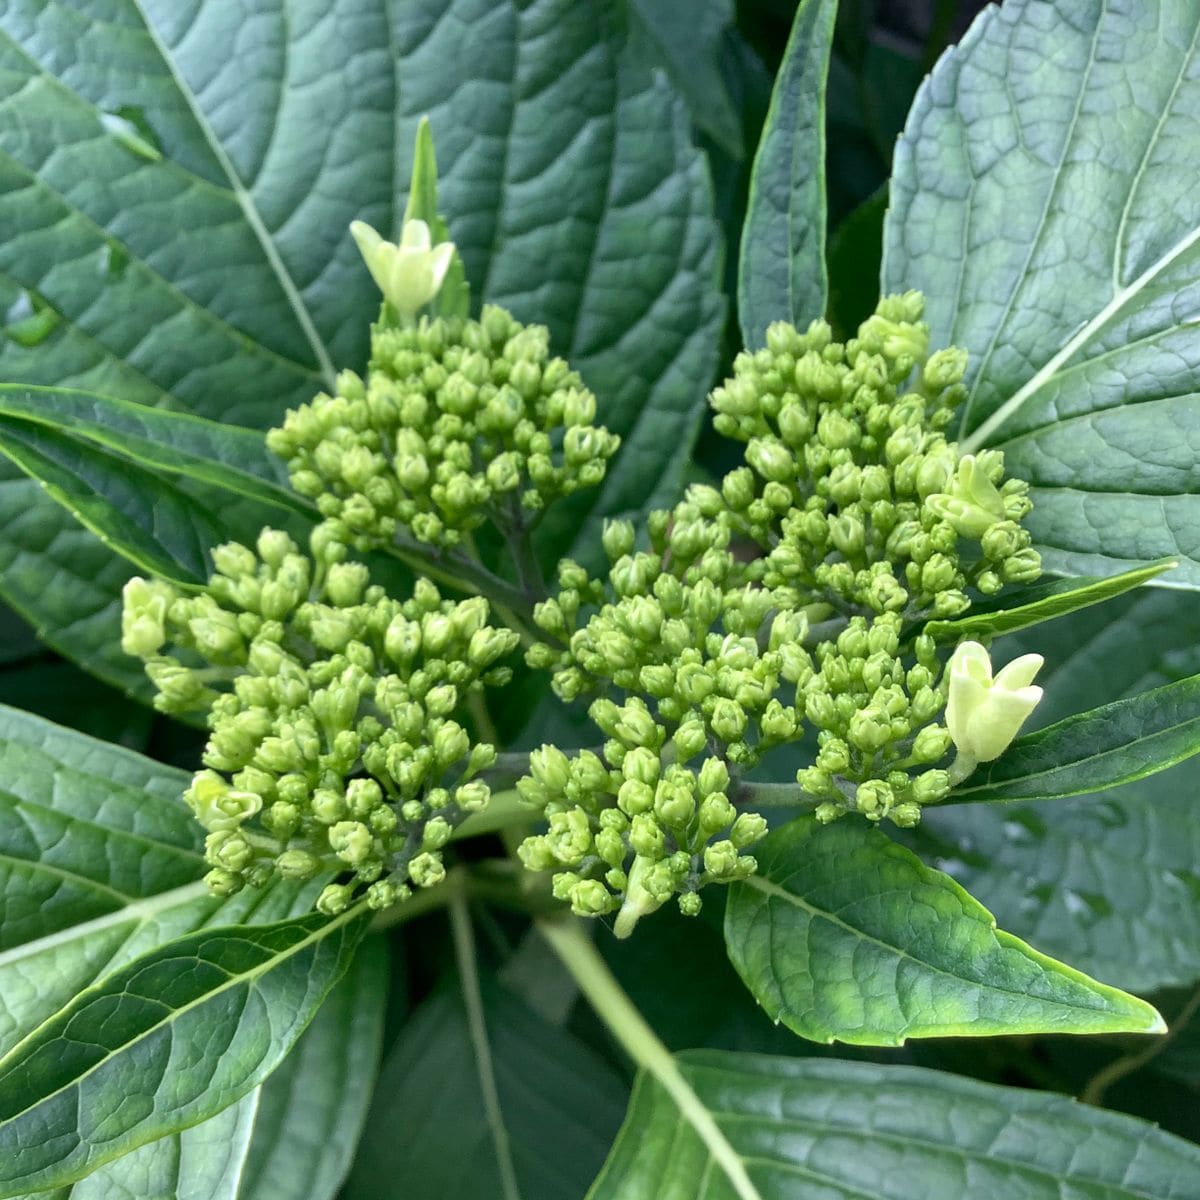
(774, 795)
(574, 947)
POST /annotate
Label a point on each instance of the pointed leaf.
(843, 935)
(782, 274)
(1041, 200)
(428, 1131)
(847, 1131)
(1111, 881)
(1021, 608)
(162, 1043)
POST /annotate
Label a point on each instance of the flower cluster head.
(851, 487)
(773, 607)
(457, 422)
(333, 748)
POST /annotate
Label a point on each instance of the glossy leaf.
(782, 275)
(1110, 882)
(846, 1131)
(558, 148)
(1114, 744)
(1021, 608)
(843, 935)
(162, 1043)
(175, 443)
(428, 1130)
(1038, 201)
(213, 270)
(271, 1143)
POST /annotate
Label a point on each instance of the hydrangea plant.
(450, 629)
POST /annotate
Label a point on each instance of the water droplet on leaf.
(30, 320)
(129, 126)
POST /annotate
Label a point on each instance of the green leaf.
(848, 1131)
(558, 148)
(1102, 748)
(225, 456)
(271, 1143)
(143, 516)
(1021, 608)
(688, 37)
(782, 275)
(310, 1112)
(845, 935)
(1054, 230)
(1110, 881)
(65, 582)
(162, 1043)
(428, 1131)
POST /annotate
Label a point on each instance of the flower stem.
(574, 947)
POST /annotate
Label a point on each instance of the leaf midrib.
(174, 1014)
(772, 889)
(245, 202)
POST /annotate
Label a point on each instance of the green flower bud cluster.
(876, 712)
(629, 830)
(457, 422)
(333, 743)
(851, 486)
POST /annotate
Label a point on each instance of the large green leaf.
(1114, 744)
(1041, 199)
(848, 1131)
(162, 1043)
(1110, 881)
(559, 148)
(689, 38)
(100, 862)
(782, 274)
(65, 582)
(430, 1132)
(226, 456)
(212, 270)
(289, 1139)
(843, 935)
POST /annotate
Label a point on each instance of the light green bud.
(713, 777)
(590, 898)
(450, 743)
(437, 833)
(143, 616)
(473, 796)
(931, 787)
(427, 869)
(550, 767)
(641, 764)
(222, 882)
(297, 864)
(931, 743)
(715, 813)
(874, 799)
(748, 829)
(869, 729)
(335, 899)
(351, 841)
(721, 860)
(645, 836)
(217, 805)
(728, 720)
(635, 797)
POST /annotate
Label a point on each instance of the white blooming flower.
(984, 713)
(409, 274)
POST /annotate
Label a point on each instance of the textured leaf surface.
(847, 1131)
(1041, 201)
(175, 190)
(1110, 882)
(1023, 608)
(558, 150)
(227, 456)
(688, 38)
(1102, 748)
(173, 1037)
(782, 275)
(428, 1131)
(843, 935)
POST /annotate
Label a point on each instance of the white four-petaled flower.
(409, 274)
(984, 713)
